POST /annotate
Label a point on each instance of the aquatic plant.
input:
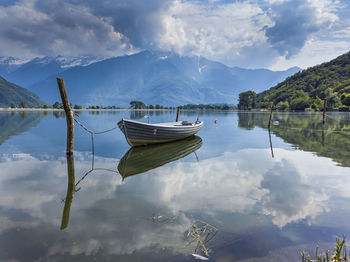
(339, 254)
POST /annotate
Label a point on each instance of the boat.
(141, 134)
(142, 159)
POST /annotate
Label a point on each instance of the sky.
(274, 34)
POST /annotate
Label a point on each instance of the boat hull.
(139, 133)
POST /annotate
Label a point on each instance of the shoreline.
(84, 109)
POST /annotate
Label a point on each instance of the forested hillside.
(12, 95)
(308, 88)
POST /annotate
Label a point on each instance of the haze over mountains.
(152, 77)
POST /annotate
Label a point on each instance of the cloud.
(243, 33)
(314, 52)
(289, 199)
(276, 188)
(296, 21)
(58, 27)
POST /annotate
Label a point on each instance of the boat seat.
(187, 123)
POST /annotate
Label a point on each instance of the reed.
(339, 254)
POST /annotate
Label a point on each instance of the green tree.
(247, 100)
(300, 101)
(345, 99)
(57, 105)
(333, 100)
(317, 104)
(282, 106)
(23, 104)
(137, 105)
(225, 107)
(78, 107)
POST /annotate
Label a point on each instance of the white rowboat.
(139, 133)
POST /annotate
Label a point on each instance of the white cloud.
(213, 31)
(314, 52)
(285, 187)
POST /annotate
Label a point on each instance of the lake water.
(225, 194)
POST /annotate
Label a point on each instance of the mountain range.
(152, 77)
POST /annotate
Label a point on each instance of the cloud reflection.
(111, 217)
(282, 188)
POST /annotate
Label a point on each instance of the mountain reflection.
(14, 123)
(142, 159)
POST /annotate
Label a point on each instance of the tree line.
(139, 105)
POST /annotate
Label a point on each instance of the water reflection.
(142, 159)
(70, 191)
(137, 114)
(264, 208)
(14, 123)
(306, 132)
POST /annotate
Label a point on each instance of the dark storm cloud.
(294, 21)
(73, 27)
(138, 20)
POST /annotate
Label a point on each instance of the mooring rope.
(93, 168)
(335, 118)
(90, 131)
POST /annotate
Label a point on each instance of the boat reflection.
(142, 159)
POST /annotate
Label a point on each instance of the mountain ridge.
(308, 88)
(14, 95)
(154, 77)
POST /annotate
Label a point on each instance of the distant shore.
(83, 109)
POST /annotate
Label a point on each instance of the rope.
(90, 131)
(317, 130)
(341, 120)
(93, 151)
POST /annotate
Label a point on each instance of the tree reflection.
(137, 114)
(305, 131)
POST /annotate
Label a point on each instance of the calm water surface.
(225, 193)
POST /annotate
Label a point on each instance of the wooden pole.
(271, 148)
(324, 111)
(177, 114)
(69, 115)
(269, 127)
(70, 191)
(270, 117)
